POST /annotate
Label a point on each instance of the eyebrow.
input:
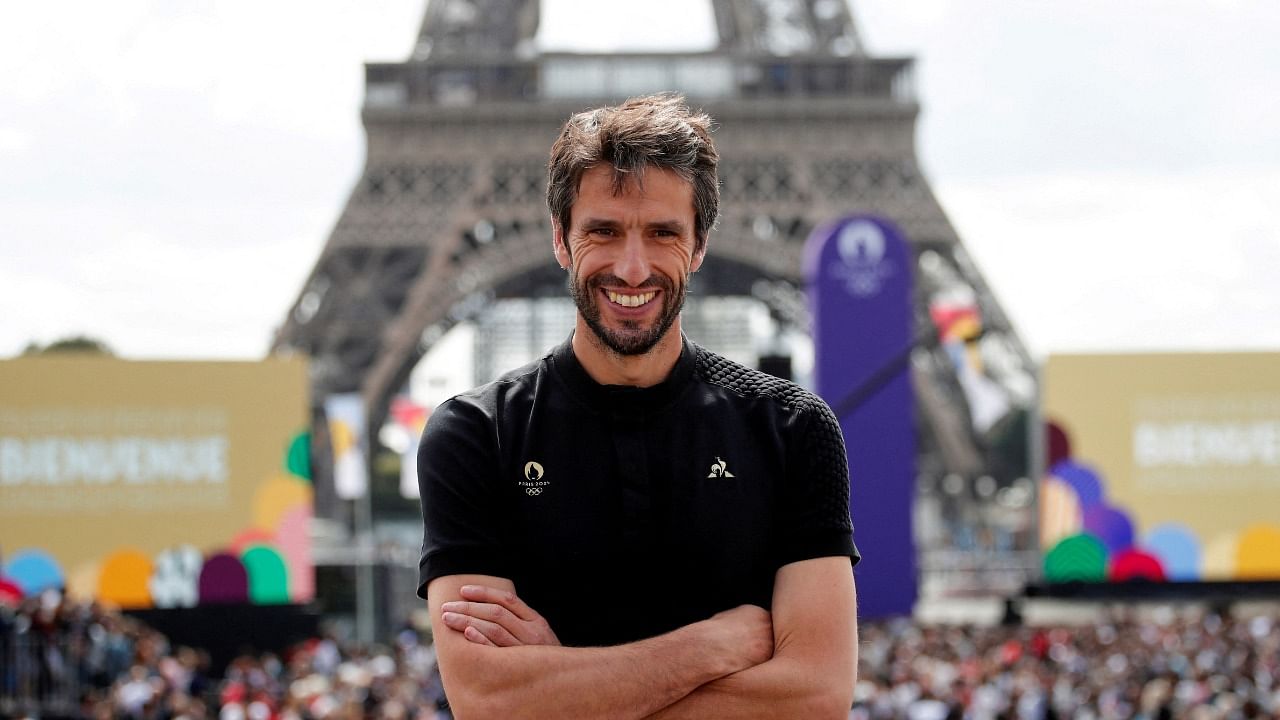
(673, 225)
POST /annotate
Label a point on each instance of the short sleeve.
(814, 518)
(462, 512)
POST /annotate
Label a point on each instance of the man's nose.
(633, 266)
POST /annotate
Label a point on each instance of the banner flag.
(409, 419)
(858, 271)
(346, 435)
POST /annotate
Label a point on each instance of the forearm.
(780, 688)
(814, 666)
(625, 681)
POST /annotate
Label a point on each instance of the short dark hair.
(656, 130)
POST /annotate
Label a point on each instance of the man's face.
(630, 256)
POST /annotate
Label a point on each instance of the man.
(605, 527)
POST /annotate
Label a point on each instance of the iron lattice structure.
(449, 213)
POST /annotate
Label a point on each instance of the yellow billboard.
(155, 484)
(1162, 467)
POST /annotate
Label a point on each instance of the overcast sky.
(170, 169)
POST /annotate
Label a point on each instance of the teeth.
(630, 300)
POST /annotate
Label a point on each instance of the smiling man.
(633, 526)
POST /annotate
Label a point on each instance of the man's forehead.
(623, 182)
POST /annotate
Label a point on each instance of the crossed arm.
(498, 657)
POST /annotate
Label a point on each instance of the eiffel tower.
(449, 212)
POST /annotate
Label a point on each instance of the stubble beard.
(633, 338)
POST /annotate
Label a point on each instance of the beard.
(633, 337)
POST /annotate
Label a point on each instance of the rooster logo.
(718, 469)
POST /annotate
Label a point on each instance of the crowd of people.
(1196, 664)
(78, 660)
(65, 659)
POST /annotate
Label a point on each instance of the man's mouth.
(630, 300)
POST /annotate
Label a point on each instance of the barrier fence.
(42, 676)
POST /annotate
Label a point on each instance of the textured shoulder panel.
(750, 382)
(824, 500)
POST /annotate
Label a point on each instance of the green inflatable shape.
(1078, 558)
(298, 460)
(268, 578)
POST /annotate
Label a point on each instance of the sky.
(171, 169)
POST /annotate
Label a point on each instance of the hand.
(745, 634)
(489, 616)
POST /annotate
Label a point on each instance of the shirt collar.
(622, 400)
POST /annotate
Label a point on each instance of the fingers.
(521, 632)
(516, 623)
(479, 631)
(477, 637)
(484, 611)
(505, 598)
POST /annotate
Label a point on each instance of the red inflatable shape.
(1135, 565)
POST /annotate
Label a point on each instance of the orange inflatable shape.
(1258, 554)
(123, 580)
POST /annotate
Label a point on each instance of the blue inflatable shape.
(1178, 549)
(1110, 525)
(34, 571)
(1082, 479)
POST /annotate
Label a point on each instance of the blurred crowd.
(1199, 664)
(80, 660)
(64, 659)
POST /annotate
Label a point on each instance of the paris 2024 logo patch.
(533, 482)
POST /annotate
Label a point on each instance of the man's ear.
(698, 256)
(558, 245)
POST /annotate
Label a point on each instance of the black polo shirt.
(621, 513)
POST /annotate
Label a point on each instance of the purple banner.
(858, 271)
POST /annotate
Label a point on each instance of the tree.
(82, 344)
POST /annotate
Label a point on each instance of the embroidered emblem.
(533, 483)
(719, 469)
